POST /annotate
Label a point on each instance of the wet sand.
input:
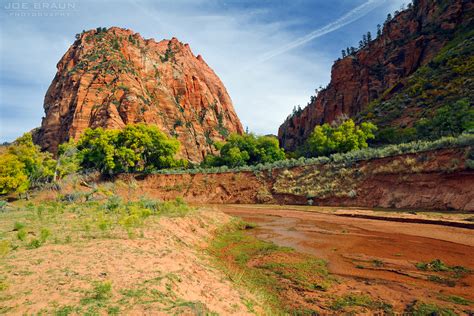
(371, 255)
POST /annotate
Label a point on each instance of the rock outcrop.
(376, 71)
(111, 78)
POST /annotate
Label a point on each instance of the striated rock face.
(411, 39)
(110, 78)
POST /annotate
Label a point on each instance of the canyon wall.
(379, 69)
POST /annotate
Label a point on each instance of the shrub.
(34, 243)
(68, 159)
(4, 247)
(21, 234)
(18, 225)
(44, 235)
(418, 308)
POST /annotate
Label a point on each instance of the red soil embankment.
(431, 180)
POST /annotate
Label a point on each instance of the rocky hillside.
(380, 69)
(110, 78)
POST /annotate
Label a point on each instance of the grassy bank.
(102, 255)
(29, 225)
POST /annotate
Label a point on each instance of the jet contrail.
(347, 18)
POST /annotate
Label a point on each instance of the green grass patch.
(355, 300)
(459, 300)
(418, 308)
(100, 293)
(437, 265)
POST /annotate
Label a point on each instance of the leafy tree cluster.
(339, 138)
(23, 165)
(247, 149)
(133, 149)
(448, 120)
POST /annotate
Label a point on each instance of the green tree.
(347, 136)
(247, 149)
(97, 149)
(39, 166)
(23, 165)
(135, 148)
(13, 178)
(150, 147)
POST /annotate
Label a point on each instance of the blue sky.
(270, 54)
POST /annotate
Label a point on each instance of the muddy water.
(370, 252)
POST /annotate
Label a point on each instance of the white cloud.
(347, 18)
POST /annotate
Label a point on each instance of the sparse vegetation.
(169, 53)
(448, 275)
(235, 250)
(94, 216)
(437, 98)
(359, 300)
(439, 266)
(418, 308)
(67, 229)
(435, 265)
(457, 300)
(287, 281)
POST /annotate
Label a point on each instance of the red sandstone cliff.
(411, 39)
(110, 78)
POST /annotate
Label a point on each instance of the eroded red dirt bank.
(432, 180)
